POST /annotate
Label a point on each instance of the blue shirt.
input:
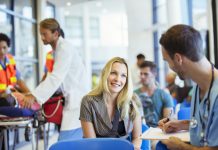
(158, 101)
(209, 119)
(18, 75)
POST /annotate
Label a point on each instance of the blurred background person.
(156, 102)
(68, 72)
(171, 85)
(10, 77)
(136, 71)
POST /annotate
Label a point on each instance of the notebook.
(158, 134)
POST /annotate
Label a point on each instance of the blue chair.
(184, 113)
(93, 144)
(161, 146)
(75, 134)
(145, 143)
(185, 103)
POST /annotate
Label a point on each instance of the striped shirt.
(93, 109)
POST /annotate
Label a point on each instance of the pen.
(170, 116)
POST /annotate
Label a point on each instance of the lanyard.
(207, 100)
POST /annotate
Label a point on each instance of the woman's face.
(117, 77)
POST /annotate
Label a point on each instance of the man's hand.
(162, 122)
(169, 126)
(28, 101)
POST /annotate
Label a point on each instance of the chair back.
(145, 143)
(93, 144)
(161, 146)
(184, 113)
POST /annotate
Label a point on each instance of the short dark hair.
(183, 39)
(140, 56)
(4, 37)
(149, 64)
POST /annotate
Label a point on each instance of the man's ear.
(178, 58)
(56, 33)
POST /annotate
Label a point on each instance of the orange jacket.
(49, 61)
(8, 75)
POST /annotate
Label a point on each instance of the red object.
(52, 109)
(8, 76)
(49, 61)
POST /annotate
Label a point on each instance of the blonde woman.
(110, 110)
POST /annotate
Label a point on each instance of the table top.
(10, 121)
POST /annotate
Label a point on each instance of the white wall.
(140, 32)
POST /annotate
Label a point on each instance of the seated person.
(171, 85)
(109, 110)
(156, 102)
(10, 78)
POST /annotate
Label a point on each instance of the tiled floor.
(28, 145)
(53, 135)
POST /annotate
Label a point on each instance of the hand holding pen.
(168, 124)
(165, 120)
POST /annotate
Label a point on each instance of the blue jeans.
(70, 134)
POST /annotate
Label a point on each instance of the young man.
(157, 103)
(182, 48)
(68, 73)
(10, 77)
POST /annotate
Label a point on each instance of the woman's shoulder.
(90, 98)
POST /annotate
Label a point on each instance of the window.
(18, 21)
(50, 10)
(74, 30)
(94, 28)
(25, 8)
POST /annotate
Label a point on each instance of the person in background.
(136, 71)
(10, 77)
(49, 63)
(156, 102)
(182, 48)
(171, 85)
(68, 73)
(110, 110)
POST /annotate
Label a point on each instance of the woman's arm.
(136, 132)
(88, 129)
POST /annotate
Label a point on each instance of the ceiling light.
(68, 3)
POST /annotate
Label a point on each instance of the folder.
(158, 134)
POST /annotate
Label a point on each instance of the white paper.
(158, 134)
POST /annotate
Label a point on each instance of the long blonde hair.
(126, 94)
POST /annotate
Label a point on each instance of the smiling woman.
(111, 110)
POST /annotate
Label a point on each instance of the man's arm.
(21, 86)
(167, 112)
(176, 144)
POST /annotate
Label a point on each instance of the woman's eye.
(113, 72)
(124, 75)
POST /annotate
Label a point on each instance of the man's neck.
(201, 73)
(149, 89)
(54, 44)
